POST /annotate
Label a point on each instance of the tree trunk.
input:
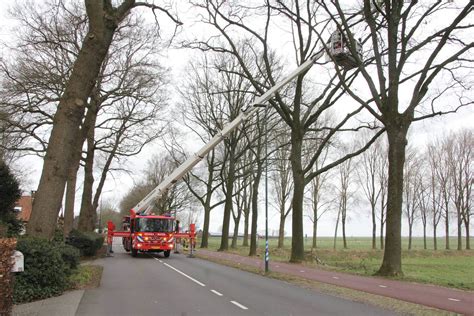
(459, 232)
(297, 240)
(392, 259)
(410, 234)
(374, 228)
(335, 229)
(468, 244)
(281, 230)
(446, 225)
(381, 236)
(435, 240)
(315, 233)
(88, 217)
(228, 205)
(245, 242)
(343, 222)
(205, 229)
(253, 232)
(70, 199)
(424, 237)
(236, 230)
(67, 120)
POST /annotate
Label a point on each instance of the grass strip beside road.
(448, 268)
(348, 294)
(86, 277)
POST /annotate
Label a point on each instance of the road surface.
(154, 285)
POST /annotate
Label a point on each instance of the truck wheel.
(167, 253)
(134, 252)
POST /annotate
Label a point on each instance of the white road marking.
(182, 273)
(238, 304)
(302, 271)
(337, 278)
(383, 286)
(454, 299)
(217, 293)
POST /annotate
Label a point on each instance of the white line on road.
(454, 299)
(217, 293)
(337, 278)
(383, 286)
(302, 271)
(238, 304)
(180, 272)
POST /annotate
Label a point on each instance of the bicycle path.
(448, 299)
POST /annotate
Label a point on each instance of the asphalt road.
(154, 285)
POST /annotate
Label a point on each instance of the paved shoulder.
(64, 305)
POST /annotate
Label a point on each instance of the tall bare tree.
(462, 174)
(399, 75)
(104, 19)
(435, 190)
(281, 181)
(410, 189)
(367, 170)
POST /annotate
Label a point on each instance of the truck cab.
(150, 233)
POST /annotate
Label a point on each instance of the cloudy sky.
(176, 59)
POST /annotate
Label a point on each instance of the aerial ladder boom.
(145, 205)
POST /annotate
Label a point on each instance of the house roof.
(26, 204)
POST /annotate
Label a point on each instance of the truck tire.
(167, 253)
(134, 252)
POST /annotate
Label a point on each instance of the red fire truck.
(150, 233)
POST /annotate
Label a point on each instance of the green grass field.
(449, 268)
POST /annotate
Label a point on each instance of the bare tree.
(367, 170)
(435, 190)
(104, 19)
(345, 194)
(281, 181)
(461, 172)
(410, 190)
(396, 67)
(299, 107)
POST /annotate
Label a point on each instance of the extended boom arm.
(144, 206)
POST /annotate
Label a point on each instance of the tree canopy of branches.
(411, 49)
(299, 106)
(104, 19)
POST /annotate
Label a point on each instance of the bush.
(88, 243)
(46, 272)
(70, 256)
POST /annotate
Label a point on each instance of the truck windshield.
(154, 225)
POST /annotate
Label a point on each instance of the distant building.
(24, 206)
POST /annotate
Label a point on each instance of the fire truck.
(145, 232)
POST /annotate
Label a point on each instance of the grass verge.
(86, 277)
(386, 303)
(449, 268)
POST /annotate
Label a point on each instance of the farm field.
(450, 268)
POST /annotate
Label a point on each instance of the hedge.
(7, 246)
(88, 243)
(47, 268)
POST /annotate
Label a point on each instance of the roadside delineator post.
(192, 235)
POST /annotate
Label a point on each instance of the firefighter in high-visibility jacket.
(110, 228)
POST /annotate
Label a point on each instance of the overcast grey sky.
(359, 223)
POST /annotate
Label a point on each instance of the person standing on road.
(110, 227)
